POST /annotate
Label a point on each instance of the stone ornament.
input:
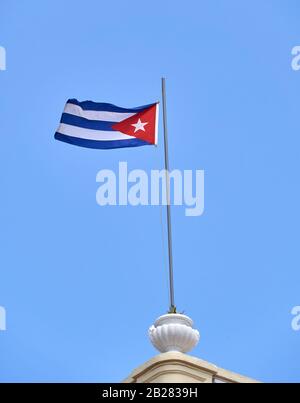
(173, 332)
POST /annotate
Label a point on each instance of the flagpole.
(171, 277)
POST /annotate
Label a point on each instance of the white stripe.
(156, 123)
(90, 134)
(96, 115)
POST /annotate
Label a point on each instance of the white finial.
(174, 332)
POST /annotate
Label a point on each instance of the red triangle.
(142, 125)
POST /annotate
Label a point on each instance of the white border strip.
(96, 115)
(90, 134)
(156, 123)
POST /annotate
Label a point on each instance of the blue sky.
(81, 283)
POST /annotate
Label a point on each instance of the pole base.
(173, 332)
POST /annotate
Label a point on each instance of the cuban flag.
(100, 125)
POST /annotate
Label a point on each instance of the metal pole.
(171, 280)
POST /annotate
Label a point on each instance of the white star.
(139, 126)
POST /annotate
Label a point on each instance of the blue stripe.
(100, 144)
(96, 106)
(86, 123)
